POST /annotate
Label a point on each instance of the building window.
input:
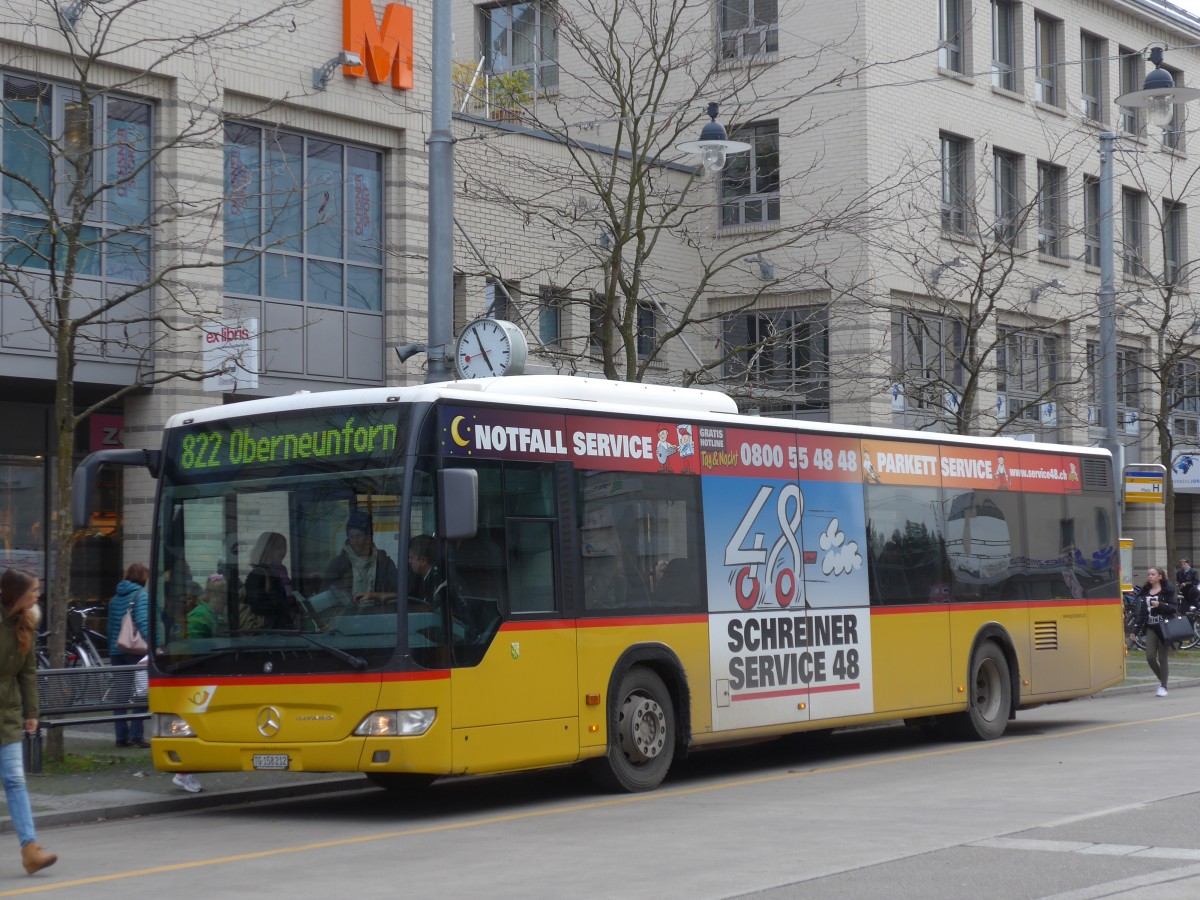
(1127, 383)
(595, 322)
(1174, 240)
(927, 359)
(303, 219)
(498, 298)
(44, 125)
(647, 329)
(1091, 221)
(951, 36)
(750, 181)
(1027, 373)
(1046, 33)
(1172, 134)
(521, 37)
(749, 28)
(1133, 70)
(785, 350)
(1183, 400)
(1092, 54)
(1004, 44)
(551, 302)
(1133, 238)
(1051, 208)
(1007, 174)
(954, 184)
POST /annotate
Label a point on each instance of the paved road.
(1068, 805)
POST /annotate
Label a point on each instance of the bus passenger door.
(517, 707)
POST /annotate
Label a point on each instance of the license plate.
(271, 760)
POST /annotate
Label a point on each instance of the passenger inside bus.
(372, 575)
(271, 600)
(426, 584)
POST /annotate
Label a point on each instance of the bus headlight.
(396, 722)
(168, 726)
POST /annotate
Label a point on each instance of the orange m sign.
(383, 49)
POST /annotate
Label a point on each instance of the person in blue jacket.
(130, 593)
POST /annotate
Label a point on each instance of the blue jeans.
(12, 767)
(128, 730)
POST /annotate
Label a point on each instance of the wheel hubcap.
(987, 689)
(643, 728)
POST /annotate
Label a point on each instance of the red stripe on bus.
(623, 621)
(606, 622)
(769, 695)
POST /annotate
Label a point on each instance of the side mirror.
(458, 503)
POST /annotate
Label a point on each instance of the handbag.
(1176, 629)
(129, 640)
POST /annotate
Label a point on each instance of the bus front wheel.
(641, 739)
(989, 687)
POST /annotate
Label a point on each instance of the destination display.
(342, 435)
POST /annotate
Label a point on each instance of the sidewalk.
(100, 781)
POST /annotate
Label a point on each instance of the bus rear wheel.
(989, 688)
(641, 737)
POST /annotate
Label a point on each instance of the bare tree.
(975, 316)
(635, 243)
(107, 230)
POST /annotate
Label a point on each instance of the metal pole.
(1108, 317)
(441, 201)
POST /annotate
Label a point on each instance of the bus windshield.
(279, 546)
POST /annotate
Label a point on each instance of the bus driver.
(371, 573)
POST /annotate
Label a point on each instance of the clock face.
(489, 348)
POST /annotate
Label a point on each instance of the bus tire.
(989, 699)
(408, 785)
(641, 734)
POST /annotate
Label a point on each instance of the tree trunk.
(63, 528)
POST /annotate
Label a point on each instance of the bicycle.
(1130, 601)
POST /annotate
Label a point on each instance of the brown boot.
(35, 858)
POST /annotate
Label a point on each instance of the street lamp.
(1159, 96)
(714, 144)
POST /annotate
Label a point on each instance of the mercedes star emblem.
(268, 721)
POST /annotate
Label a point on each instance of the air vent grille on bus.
(1045, 635)
(1097, 474)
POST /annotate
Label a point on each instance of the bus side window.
(531, 566)
(907, 542)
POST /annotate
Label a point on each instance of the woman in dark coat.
(1158, 600)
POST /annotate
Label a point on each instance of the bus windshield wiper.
(355, 662)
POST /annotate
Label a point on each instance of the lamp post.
(1158, 96)
(441, 201)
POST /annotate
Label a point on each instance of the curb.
(187, 802)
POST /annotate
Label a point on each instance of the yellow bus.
(506, 574)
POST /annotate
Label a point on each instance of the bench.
(85, 695)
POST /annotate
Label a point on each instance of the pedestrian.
(1158, 602)
(19, 591)
(1188, 581)
(131, 594)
